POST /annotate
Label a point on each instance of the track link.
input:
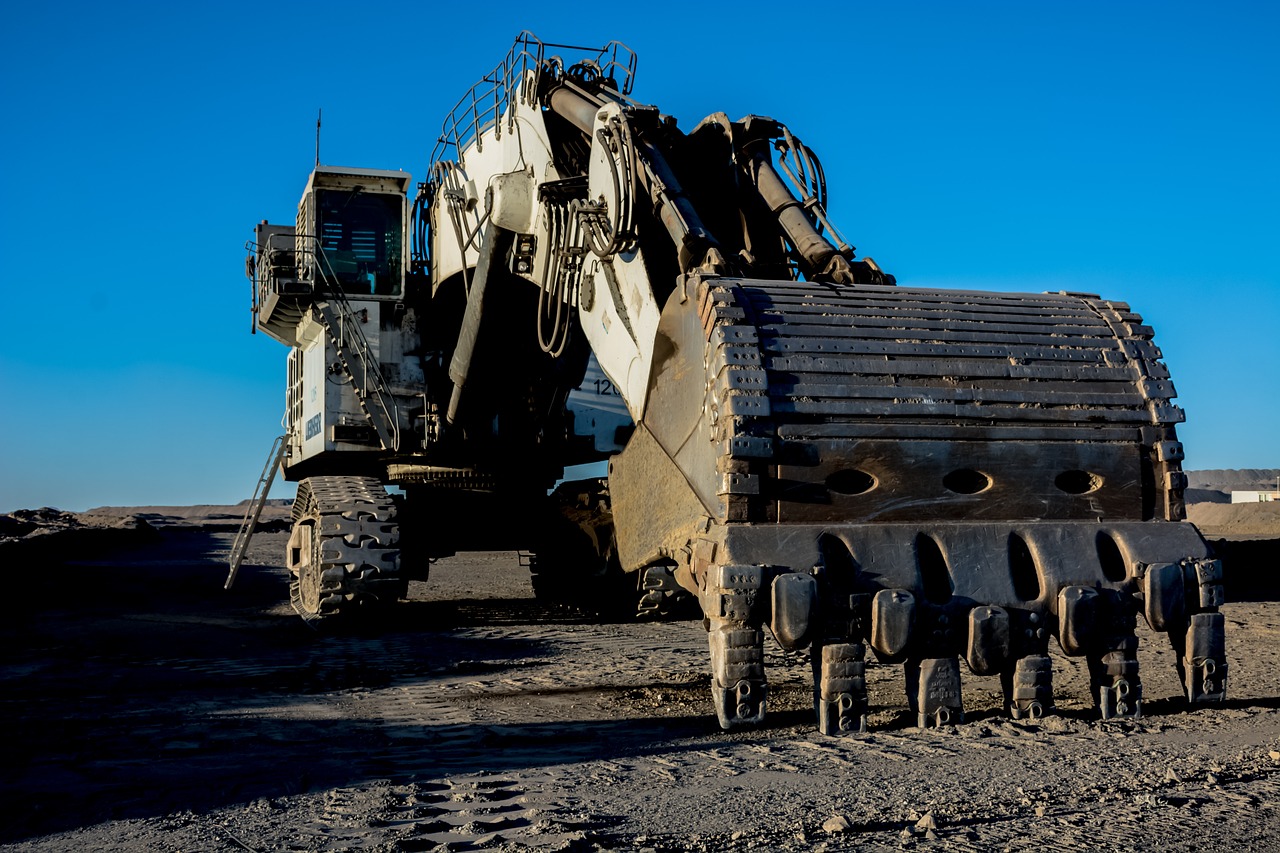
(344, 551)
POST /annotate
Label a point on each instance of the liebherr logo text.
(313, 427)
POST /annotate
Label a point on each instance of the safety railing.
(271, 267)
(314, 266)
(486, 102)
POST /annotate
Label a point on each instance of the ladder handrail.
(252, 513)
(349, 332)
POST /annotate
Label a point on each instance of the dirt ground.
(144, 708)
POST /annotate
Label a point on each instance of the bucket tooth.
(731, 603)
(1112, 655)
(1027, 679)
(738, 688)
(838, 655)
(1206, 662)
(1199, 639)
(1116, 684)
(841, 688)
(1028, 687)
(937, 691)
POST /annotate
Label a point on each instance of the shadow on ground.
(136, 686)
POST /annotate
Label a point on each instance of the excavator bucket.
(935, 474)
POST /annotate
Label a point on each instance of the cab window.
(360, 240)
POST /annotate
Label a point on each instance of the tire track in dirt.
(502, 724)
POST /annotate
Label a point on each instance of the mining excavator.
(792, 439)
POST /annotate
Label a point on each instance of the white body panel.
(324, 395)
(624, 347)
(622, 319)
(516, 143)
(599, 410)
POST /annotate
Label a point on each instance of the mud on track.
(145, 708)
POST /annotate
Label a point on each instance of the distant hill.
(1229, 479)
(207, 516)
(1207, 496)
(192, 511)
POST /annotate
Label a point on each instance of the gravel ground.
(146, 709)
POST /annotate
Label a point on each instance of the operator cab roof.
(387, 180)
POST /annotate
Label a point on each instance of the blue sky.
(1127, 149)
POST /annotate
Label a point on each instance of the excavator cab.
(351, 231)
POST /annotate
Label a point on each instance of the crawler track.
(343, 552)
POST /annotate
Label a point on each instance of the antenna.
(319, 112)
